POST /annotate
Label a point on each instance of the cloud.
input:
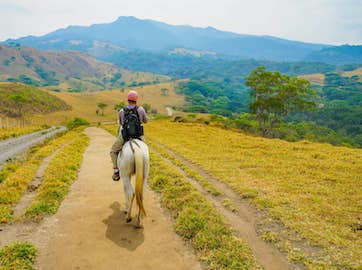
(12, 7)
(322, 21)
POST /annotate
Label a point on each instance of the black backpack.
(132, 126)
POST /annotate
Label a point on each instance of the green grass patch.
(18, 256)
(17, 99)
(7, 169)
(5, 213)
(113, 129)
(197, 221)
(60, 173)
(18, 131)
(16, 180)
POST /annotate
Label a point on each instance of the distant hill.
(192, 64)
(157, 97)
(355, 72)
(67, 70)
(338, 55)
(130, 33)
(35, 100)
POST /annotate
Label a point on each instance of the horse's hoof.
(128, 220)
(139, 226)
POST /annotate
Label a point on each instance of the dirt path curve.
(11, 147)
(89, 232)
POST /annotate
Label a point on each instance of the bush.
(147, 107)
(76, 122)
(18, 256)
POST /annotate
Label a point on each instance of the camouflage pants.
(117, 148)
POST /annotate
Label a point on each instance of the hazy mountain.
(338, 55)
(66, 69)
(130, 33)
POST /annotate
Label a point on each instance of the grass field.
(84, 105)
(60, 173)
(316, 78)
(64, 70)
(16, 181)
(313, 189)
(197, 221)
(13, 132)
(357, 71)
(18, 98)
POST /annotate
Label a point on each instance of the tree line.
(277, 105)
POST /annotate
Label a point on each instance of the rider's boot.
(116, 176)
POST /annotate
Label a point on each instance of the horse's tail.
(139, 179)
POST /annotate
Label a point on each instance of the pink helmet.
(132, 96)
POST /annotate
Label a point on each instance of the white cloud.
(323, 21)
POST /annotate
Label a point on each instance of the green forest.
(336, 118)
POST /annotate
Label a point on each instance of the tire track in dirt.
(11, 147)
(244, 220)
(27, 198)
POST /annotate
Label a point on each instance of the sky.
(319, 21)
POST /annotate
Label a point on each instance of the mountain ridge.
(132, 33)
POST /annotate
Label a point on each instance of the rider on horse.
(123, 116)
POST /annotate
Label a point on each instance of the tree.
(276, 95)
(119, 106)
(147, 107)
(20, 101)
(102, 106)
(164, 91)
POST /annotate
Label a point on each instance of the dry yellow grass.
(316, 78)
(84, 105)
(16, 183)
(6, 133)
(314, 189)
(357, 72)
(77, 69)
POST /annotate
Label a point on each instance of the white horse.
(134, 160)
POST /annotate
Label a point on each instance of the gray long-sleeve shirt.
(141, 113)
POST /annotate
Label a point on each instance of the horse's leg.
(146, 170)
(129, 212)
(129, 195)
(138, 224)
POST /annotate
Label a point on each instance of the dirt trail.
(89, 232)
(244, 221)
(11, 147)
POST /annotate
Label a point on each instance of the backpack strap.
(138, 116)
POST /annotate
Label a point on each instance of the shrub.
(76, 122)
(18, 256)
